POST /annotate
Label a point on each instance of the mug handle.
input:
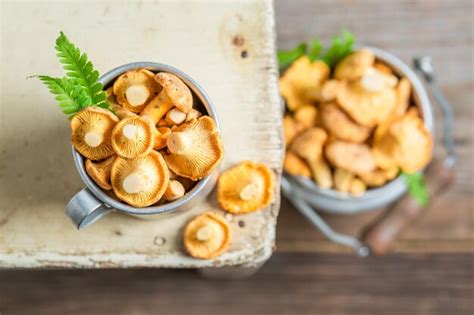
(84, 209)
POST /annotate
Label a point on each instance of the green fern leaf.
(79, 68)
(69, 94)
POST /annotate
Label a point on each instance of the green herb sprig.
(341, 46)
(417, 187)
(79, 88)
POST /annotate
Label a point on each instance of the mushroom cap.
(176, 90)
(306, 116)
(355, 158)
(300, 83)
(339, 124)
(309, 144)
(367, 108)
(290, 129)
(93, 125)
(140, 85)
(142, 181)
(195, 148)
(207, 236)
(415, 143)
(133, 137)
(161, 137)
(100, 172)
(246, 187)
(296, 166)
(354, 66)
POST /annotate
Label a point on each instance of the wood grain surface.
(288, 284)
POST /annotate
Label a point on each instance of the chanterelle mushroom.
(355, 158)
(300, 83)
(133, 137)
(207, 236)
(135, 88)
(195, 148)
(175, 93)
(142, 181)
(100, 172)
(366, 107)
(246, 187)
(92, 131)
(355, 65)
(340, 125)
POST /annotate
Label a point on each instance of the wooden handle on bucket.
(383, 232)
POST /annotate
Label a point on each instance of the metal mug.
(305, 195)
(92, 203)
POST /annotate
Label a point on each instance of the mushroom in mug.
(245, 188)
(92, 132)
(174, 191)
(100, 172)
(133, 137)
(195, 148)
(355, 158)
(296, 166)
(135, 88)
(174, 93)
(353, 66)
(207, 236)
(142, 181)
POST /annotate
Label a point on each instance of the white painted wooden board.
(206, 39)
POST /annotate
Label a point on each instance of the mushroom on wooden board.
(174, 93)
(207, 236)
(92, 132)
(135, 88)
(142, 181)
(100, 172)
(133, 137)
(195, 148)
(246, 187)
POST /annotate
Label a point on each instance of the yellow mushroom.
(290, 129)
(375, 178)
(174, 93)
(355, 158)
(193, 114)
(296, 166)
(207, 236)
(161, 137)
(175, 117)
(343, 180)
(174, 191)
(246, 187)
(306, 116)
(342, 126)
(367, 107)
(133, 137)
(100, 172)
(135, 88)
(355, 65)
(92, 131)
(300, 83)
(195, 148)
(309, 146)
(382, 67)
(142, 181)
(358, 187)
(328, 91)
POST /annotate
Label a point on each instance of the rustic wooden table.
(431, 270)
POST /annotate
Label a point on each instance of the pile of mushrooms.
(351, 127)
(152, 146)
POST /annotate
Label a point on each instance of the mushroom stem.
(130, 131)
(157, 108)
(249, 192)
(120, 111)
(93, 138)
(174, 191)
(175, 117)
(321, 172)
(137, 94)
(178, 142)
(136, 182)
(204, 233)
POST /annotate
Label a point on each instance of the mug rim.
(396, 186)
(112, 203)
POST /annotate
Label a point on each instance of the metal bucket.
(305, 194)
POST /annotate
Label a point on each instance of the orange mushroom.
(135, 88)
(100, 172)
(133, 137)
(246, 187)
(207, 236)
